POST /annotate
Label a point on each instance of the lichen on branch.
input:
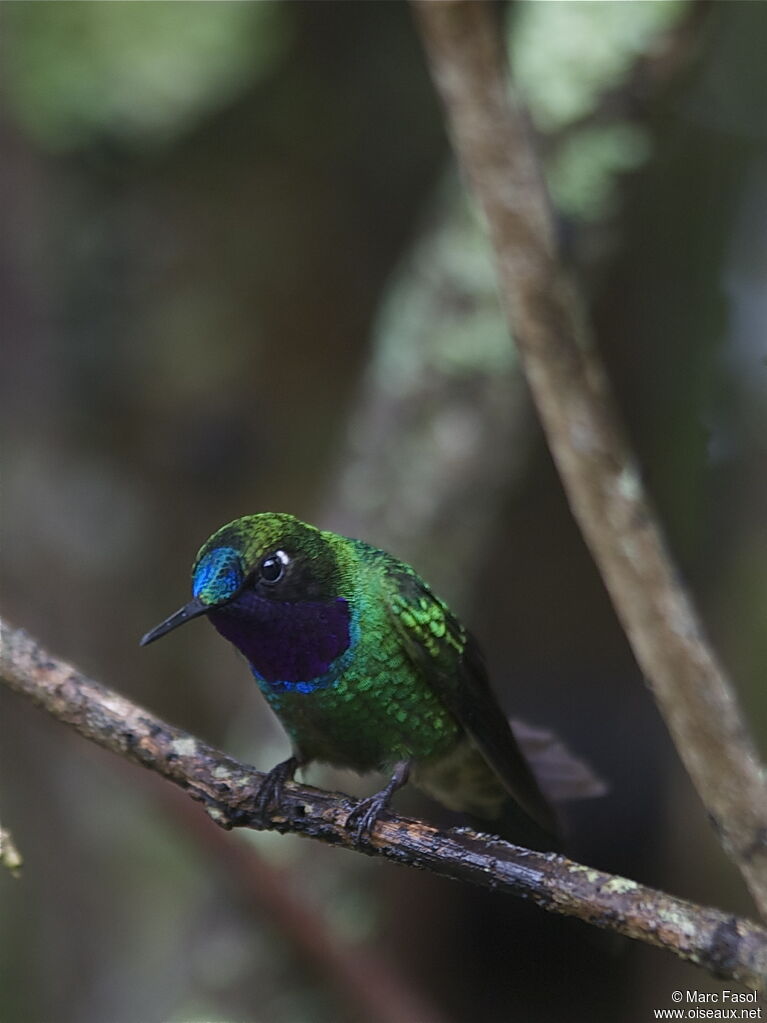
(599, 471)
(726, 945)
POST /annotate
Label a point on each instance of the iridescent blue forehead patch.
(218, 576)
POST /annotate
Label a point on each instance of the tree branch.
(10, 858)
(368, 986)
(726, 945)
(597, 467)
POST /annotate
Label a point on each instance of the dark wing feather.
(452, 664)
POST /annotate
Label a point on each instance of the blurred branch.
(426, 464)
(725, 945)
(10, 857)
(367, 983)
(597, 467)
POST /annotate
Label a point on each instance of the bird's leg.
(364, 815)
(269, 791)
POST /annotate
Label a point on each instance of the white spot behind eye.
(274, 566)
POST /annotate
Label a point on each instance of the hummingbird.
(366, 668)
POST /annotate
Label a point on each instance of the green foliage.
(444, 292)
(139, 73)
(566, 56)
(582, 174)
(565, 53)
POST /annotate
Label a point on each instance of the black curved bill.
(193, 609)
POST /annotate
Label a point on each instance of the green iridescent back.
(365, 667)
(382, 708)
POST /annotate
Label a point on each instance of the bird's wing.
(451, 662)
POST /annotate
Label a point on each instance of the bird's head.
(269, 557)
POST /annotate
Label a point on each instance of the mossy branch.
(725, 945)
(599, 472)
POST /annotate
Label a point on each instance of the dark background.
(238, 273)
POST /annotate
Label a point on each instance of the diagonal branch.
(726, 945)
(597, 467)
(366, 984)
(9, 854)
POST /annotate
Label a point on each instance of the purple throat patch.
(286, 642)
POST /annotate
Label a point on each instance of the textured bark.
(725, 945)
(597, 467)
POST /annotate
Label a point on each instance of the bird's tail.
(465, 781)
(561, 775)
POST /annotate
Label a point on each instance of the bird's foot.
(363, 817)
(269, 794)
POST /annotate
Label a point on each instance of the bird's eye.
(273, 567)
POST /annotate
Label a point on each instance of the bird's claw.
(363, 817)
(269, 794)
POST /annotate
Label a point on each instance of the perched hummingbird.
(366, 669)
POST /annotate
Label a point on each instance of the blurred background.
(238, 272)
